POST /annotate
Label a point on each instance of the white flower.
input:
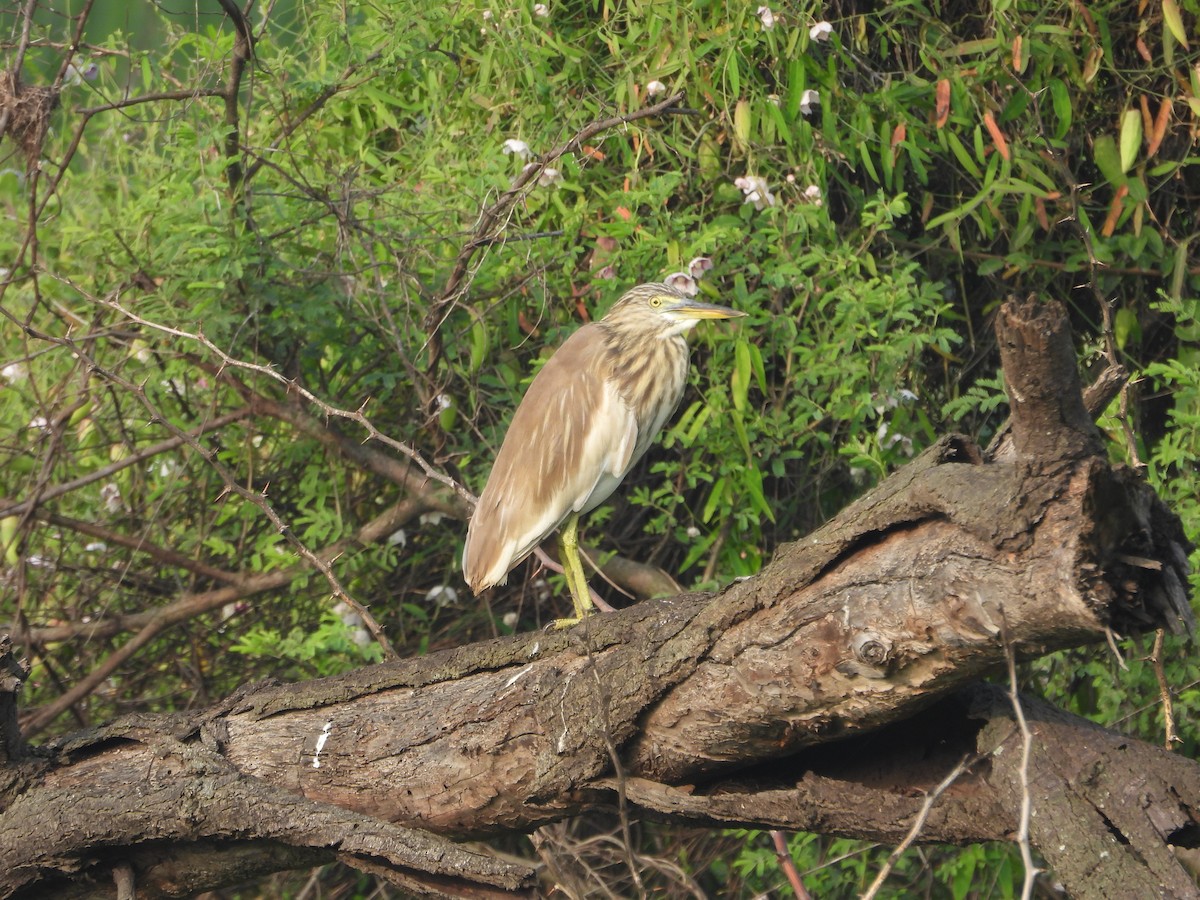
(14, 372)
(693, 532)
(347, 614)
(487, 15)
(541, 10)
(756, 191)
(683, 282)
(549, 176)
(766, 17)
(808, 100)
(889, 439)
(519, 148)
(431, 518)
(654, 88)
(442, 401)
(820, 32)
(77, 74)
(40, 423)
(442, 595)
(165, 468)
(397, 539)
(111, 495)
(698, 266)
(96, 547)
(812, 194)
(510, 620)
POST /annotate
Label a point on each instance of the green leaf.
(1126, 327)
(1108, 159)
(740, 382)
(1174, 22)
(752, 481)
(960, 153)
(714, 499)
(1060, 100)
(1131, 138)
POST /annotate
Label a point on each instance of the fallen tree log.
(711, 708)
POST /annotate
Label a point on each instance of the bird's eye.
(656, 302)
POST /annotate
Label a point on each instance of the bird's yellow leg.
(568, 538)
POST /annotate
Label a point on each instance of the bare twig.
(1031, 871)
(788, 865)
(915, 831)
(1164, 691)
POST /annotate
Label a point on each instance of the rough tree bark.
(826, 694)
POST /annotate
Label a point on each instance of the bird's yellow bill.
(695, 309)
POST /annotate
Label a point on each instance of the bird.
(588, 416)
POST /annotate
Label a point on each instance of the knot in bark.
(872, 649)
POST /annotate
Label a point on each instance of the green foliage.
(334, 646)
(837, 868)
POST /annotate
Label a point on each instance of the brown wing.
(570, 442)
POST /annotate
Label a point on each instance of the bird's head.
(662, 311)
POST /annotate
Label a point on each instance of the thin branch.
(1031, 871)
(915, 831)
(309, 111)
(22, 506)
(492, 218)
(186, 607)
(291, 385)
(779, 839)
(243, 50)
(141, 545)
(192, 94)
(189, 605)
(1164, 691)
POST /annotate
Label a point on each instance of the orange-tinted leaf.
(1147, 121)
(1018, 60)
(899, 133)
(1143, 50)
(592, 153)
(1087, 18)
(943, 102)
(1114, 211)
(624, 213)
(524, 323)
(1039, 208)
(1159, 130)
(989, 122)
